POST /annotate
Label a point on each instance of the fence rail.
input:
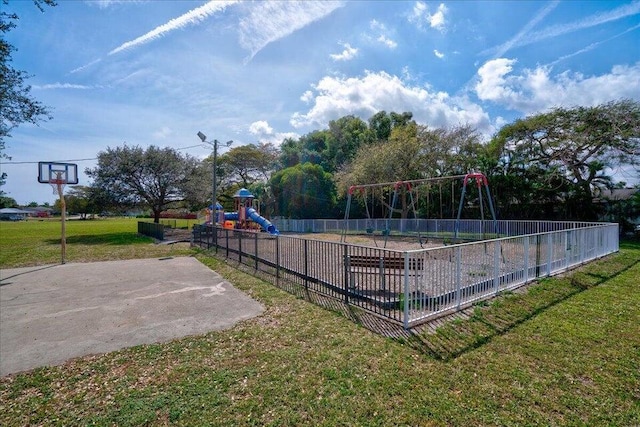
(436, 228)
(411, 287)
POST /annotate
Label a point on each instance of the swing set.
(411, 189)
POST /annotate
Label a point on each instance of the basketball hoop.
(58, 175)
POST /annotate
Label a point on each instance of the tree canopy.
(156, 176)
(304, 191)
(557, 159)
(247, 164)
(78, 201)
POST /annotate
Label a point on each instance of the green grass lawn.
(566, 352)
(34, 242)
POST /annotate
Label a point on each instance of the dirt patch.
(177, 234)
(402, 243)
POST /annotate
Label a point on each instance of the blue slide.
(264, 223)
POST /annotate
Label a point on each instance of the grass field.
(564, 353)
(33, 242)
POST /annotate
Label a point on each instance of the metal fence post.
(255, 235)
(406, 290)
(381, 272)
(226, 235)
(526, 259)
(239, 233)
(496, 266)
(567, 249)
(347, 268)
(549, 252)
(538, 255)
(277, 258)
(306, 265)
(458, 273)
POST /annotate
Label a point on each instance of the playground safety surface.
(50, 314)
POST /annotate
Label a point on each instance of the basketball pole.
(63, 209)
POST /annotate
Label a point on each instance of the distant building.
(13, 214)
(39, 212)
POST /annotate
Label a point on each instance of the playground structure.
(475, 259)
(409, 286)
(245, 217)
(409, 193)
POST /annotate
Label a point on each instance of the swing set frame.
(410, 185)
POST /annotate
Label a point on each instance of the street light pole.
(214, 191)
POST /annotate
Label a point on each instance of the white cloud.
(421, 15)
(366, 95)
(491, 86)
(561, 29)
(381, 34)
(192, 17)
(163, 133)
(307, 97)
(266, 135)
(500, 50)
(377, 26)
(261, 127)
(104, 4)
(437, 20)
(269, 21)
(347, 54)
(277, 138)
(537, 90)
(417, 14)
(77, 70)
(387, 42)
(62, 86)
(594, 45)
(437, 53)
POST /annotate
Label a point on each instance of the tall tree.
(77, 201)
(449, 151)
(7, 202)
(308, 148)
(156, 176)
(346, 135)
(382, 123)
(566, 154)
(399, 159)
(247, 164)
(304, 191)
(413, 152)
(16, 104)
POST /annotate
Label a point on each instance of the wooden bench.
(383, 262)
(381, 266)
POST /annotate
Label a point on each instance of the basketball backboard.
(50, 171)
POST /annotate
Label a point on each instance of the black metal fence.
(151, 229)
(370, 278)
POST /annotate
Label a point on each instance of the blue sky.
(157, 72)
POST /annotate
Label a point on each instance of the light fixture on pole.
(214, 191)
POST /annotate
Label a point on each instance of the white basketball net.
(57, 183)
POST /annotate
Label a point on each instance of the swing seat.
(385, 232)
(369, 230)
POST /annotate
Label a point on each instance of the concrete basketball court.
(54, 313)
